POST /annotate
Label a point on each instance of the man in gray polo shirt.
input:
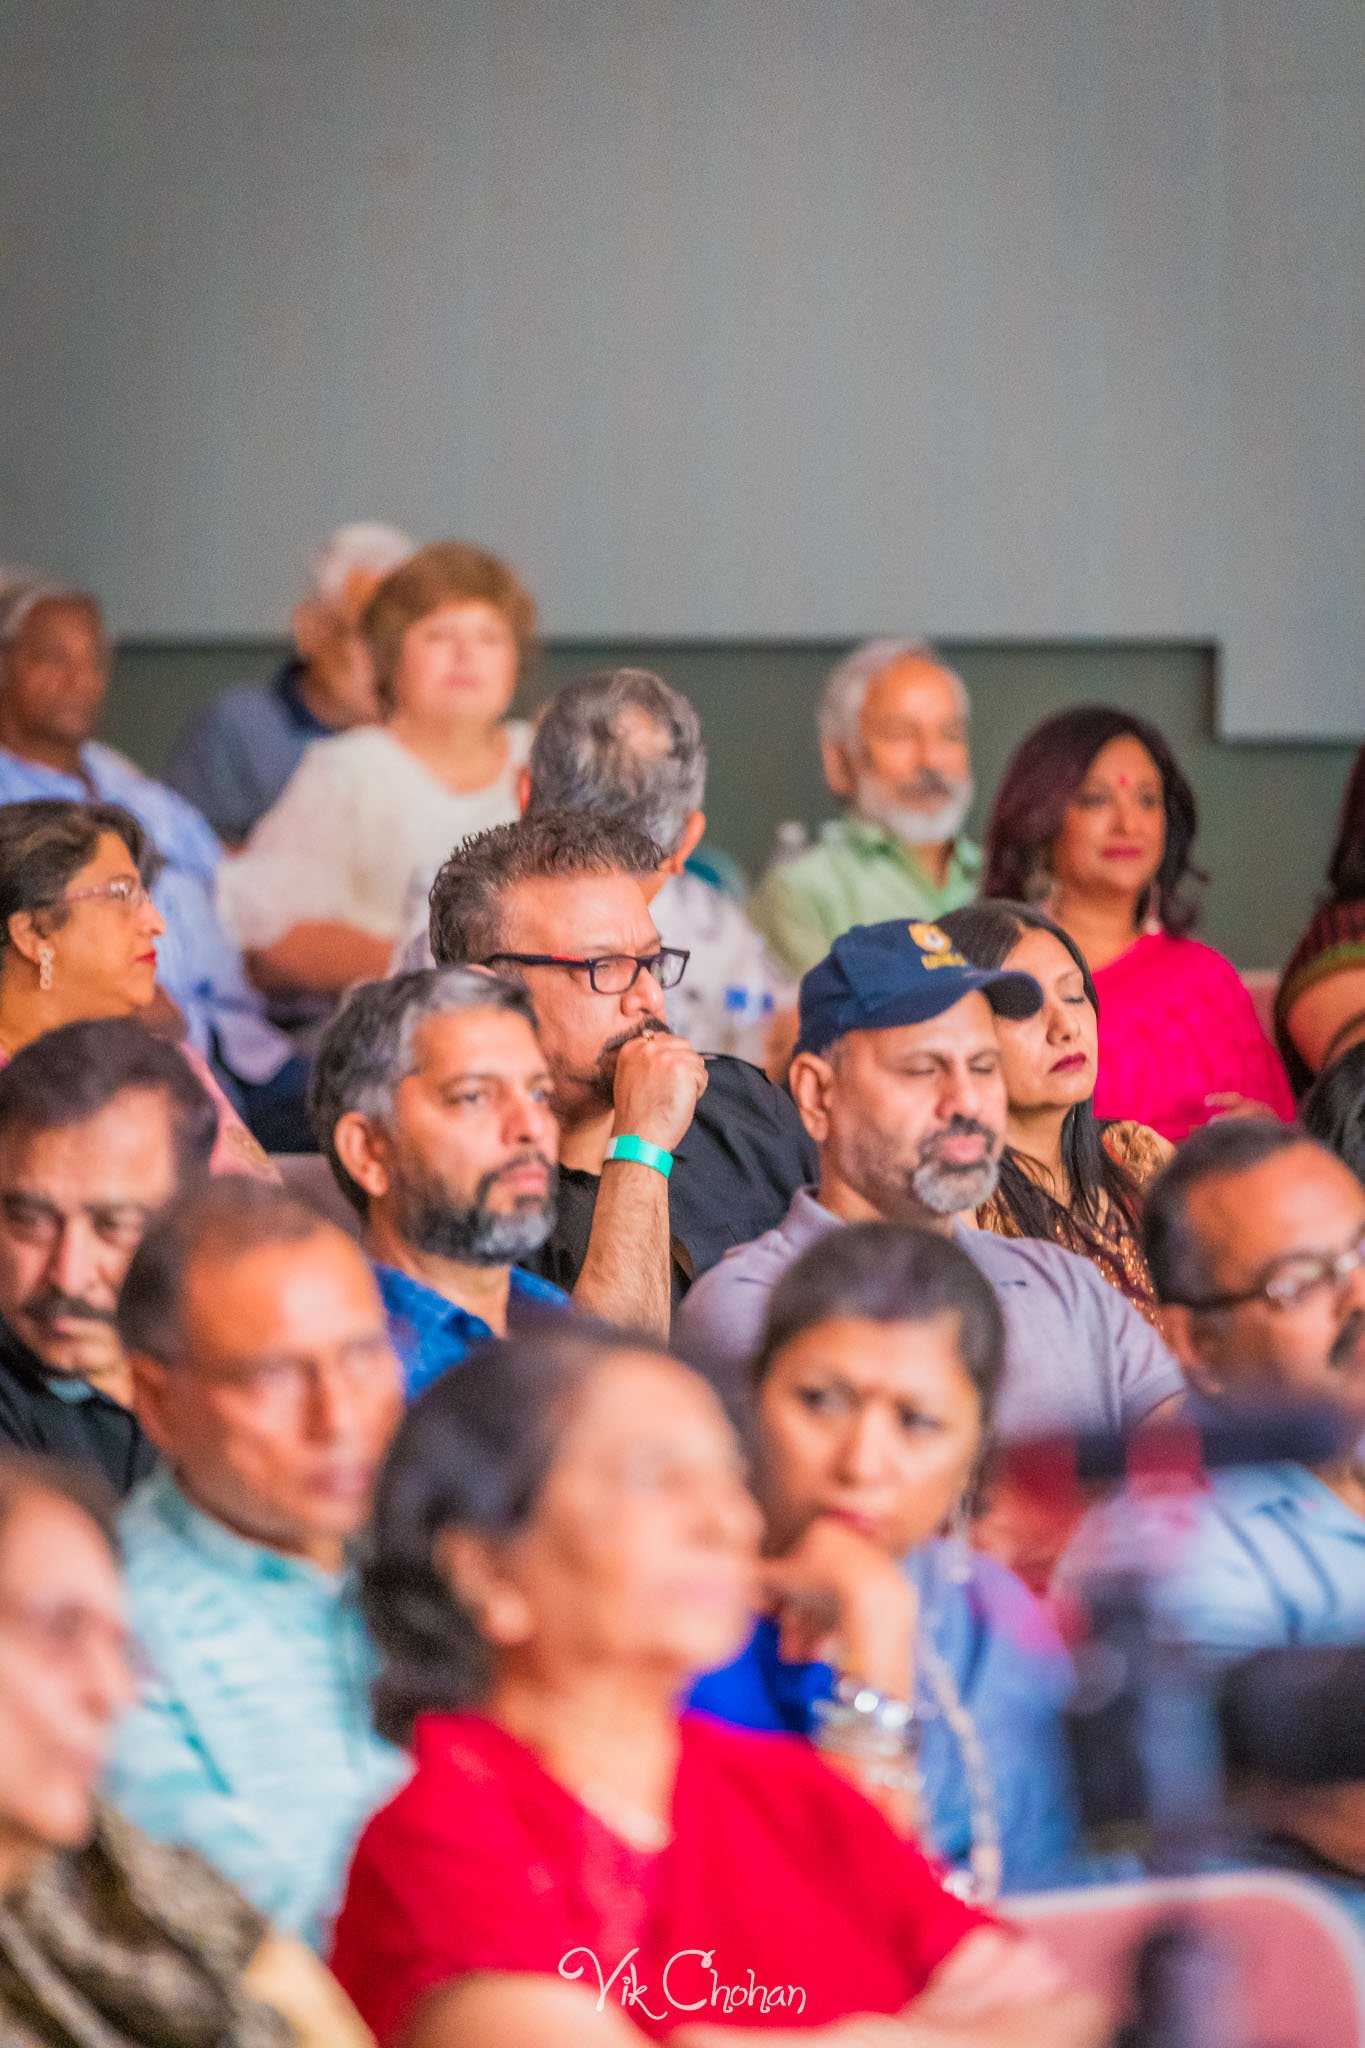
(897, 1078)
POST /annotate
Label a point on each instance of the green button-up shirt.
(859, 873)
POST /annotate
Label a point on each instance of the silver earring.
(45, 968)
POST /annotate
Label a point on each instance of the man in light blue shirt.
(1256, 1240)
(263, 1373)
(52, 689)
(431, 1099)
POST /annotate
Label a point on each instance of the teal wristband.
(642, 1153)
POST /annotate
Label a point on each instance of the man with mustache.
(1256, 1237)
(893, 739)
(666, 1159)
(431, 1098)
(101, 1125)
(897, 1076)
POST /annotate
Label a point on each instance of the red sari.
(784, 1899)
(1176, 1026)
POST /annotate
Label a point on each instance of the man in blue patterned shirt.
(263, 1372)
(431, 1099)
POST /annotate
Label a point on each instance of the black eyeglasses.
(611, 974)
(1292, 1281)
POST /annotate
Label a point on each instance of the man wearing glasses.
(1256, 1239)
(694, 1155)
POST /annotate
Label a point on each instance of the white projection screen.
(727, 318)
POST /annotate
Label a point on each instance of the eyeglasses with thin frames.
(610, 974)
(1291, 1281)
(125, 890)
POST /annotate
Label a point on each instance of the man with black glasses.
(699, 1154)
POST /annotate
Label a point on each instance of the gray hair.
(847, 684)
(368, 544)
(367, 1049)
(622, 744)
(22, 590)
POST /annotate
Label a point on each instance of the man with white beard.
(893, 738)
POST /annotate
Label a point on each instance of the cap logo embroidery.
(936, 948)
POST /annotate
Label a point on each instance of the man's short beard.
(945, 1190)
(917, 824)
(472, 1235)
(601, 1082)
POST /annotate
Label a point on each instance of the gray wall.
(1268, 810)
(1003, 319)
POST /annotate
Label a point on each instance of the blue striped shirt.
(251, 1738)
(430, 1333)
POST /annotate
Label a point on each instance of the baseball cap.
(879, 975)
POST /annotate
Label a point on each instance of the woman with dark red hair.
(1095, 821)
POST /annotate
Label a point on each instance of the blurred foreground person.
(106, 1937)
(235, 757)
(1256, 1237)
(563, 1540)
(1095, 821)
(264, 1376)
(431, 1099)
(101, 1125)
(873, 1393)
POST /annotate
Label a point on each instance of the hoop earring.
(45, 958)
(1149, 918)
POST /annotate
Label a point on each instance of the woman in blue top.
(871, 1401)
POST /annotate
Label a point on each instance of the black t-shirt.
(735, 1171)
(89, 1429)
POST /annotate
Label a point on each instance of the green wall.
(1269, 810)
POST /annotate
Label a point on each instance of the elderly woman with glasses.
(78, 935)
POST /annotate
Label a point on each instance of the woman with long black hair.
(1064, 1173)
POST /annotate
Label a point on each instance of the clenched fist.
(659, 1082)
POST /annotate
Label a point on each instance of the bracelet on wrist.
(640, 1152)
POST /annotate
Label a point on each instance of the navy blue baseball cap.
(879, 975)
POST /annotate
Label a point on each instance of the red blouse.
(783, 1898)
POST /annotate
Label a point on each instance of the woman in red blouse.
(563, 1540)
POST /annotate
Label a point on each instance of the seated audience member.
(1333, 1111)
(100, 1126)
(897, 1075)
(263, 1374)
(234, 758)
(79, 934)
(1256, 1239)
(1320, 1003)
(893, 740)
(563, 1539)
(559, 904)
(622, 744)
(107, 1937)
(52, 688)
(326, 884)
(431, 1099)
(1095, 822)
(1063, 1174)
(873, 1392)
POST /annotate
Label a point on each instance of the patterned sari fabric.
(1333, 943)
(1112, 1245)
(128, 1942)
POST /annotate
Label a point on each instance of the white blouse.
(359, 828)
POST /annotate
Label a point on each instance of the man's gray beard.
(914, 824)
(944, 1190)
(475, 1235)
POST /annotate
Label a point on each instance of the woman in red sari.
(1095, 822)
(563, 1540)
